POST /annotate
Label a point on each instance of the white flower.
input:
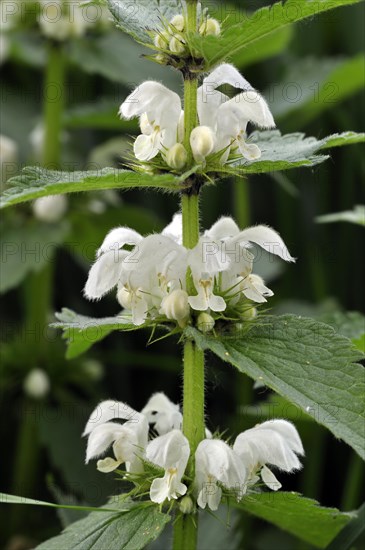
(234, 246)
(159, 110)
(37, 384)
(8, 157)
(205, 261)
(215, 461)
(162, 413)
(129, 440)
(170, 452)
(274, 442)
(228, 118)
(50, 209)
(60, 20)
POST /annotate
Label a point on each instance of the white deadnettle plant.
(151, 277)
(130, 439)
(223, 121)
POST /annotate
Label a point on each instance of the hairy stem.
(186, 526)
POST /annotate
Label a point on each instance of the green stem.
(185, 533)
(193, 403)
(190, 215)
(54, 99)
(241, 202)
(37, 305)
(26, 462)
(186, 526)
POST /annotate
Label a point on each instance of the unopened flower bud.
(177, 156)
(50, 209)
(186, 505)
(161, 40)
(37, 384)
(160, 58)
(177, 23)
(202, 141)
(177, 44)
(210, 27)
(249, 314)
(205, 322)
(175, 306)
(94, 369)
(8, 157)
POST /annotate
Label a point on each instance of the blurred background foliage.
(313, 77)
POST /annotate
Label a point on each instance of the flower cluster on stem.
(219, 469)
(150, 273)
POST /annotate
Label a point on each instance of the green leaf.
(350, 323)
(316, 85)
(356, 216)
(306, 362)
(265, 48)
(34, 182)
(302, 517)
(261, 23)
(118, 58)
(27, 249)
(350, 533)
(82, 332)
(13, 499)
(136, 18)
(283, 152)
(132, 528)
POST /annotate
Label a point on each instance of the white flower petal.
(227, 74)
(166, 488)
(217, 459)
(117, 238)
(147, 147)
(210, 494)
(104, 274)
(101, 438)
(266, 446)
(154, 99)
(223, 229)
(174, 229)
(269, 479)
(246, 107)
(107, 465)
(169, 451)
(161, 412)
(287, 430)
(249, 150)
(109, 410)
(265, 237)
